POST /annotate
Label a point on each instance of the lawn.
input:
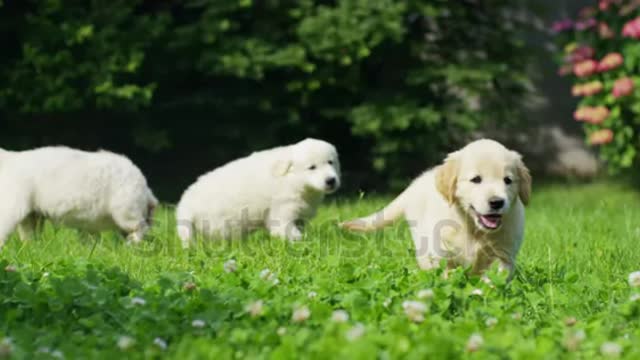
(71, 295)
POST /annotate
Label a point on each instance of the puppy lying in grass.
(93, 191)
(278, 189)
(469, 210)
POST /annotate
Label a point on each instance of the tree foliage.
(393, 83)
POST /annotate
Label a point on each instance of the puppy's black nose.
(331, 182)
(496, 204)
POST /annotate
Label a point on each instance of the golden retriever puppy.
(469, 210)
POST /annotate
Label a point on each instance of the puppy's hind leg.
(12, 213)
(27, 228)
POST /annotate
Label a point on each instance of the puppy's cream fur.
(94, 191)
(278, 189)
(449, 210)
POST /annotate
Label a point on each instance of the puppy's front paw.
(135, 238)
(294, 235)
(429, 262)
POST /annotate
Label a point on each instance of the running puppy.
(469, 210)
(278, 189)
(93, 191)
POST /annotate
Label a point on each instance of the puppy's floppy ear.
(281, 167)
(524, 180)
(447, 177)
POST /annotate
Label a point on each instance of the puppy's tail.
(380, 219)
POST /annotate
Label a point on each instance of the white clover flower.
(387, 302)
(126, 342)
(573, 340)
(491, 322)
(485, 279)
(198, 323)
(189, 286)
(57, 354)
(10, 268)
(255, 309)
(230, 266)
(6, 348)
(45, 274)
(634, 279)
(425, 294)
(414, 310)
(477, 292)
(355, 332)
(312, 294)
(475, 342)
(634, 297)
(159, 342)
(340, 316)
(611, 350)
(266, 274)
(138, 301)
(281, 331)
(301, 314)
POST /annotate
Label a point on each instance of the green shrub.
(396, 84)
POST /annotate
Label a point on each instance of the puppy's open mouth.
(489, 221)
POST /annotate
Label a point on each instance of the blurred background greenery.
(184, 86)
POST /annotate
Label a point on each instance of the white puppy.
(93, 191)
(468, 210)
(278, 189)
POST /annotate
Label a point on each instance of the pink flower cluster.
(586, 24)
(604, 5)
(586, 68)
(581, 53)
(562, 25)
(610, 61)
(605, 31)
(600, 137)
(565, 70)
(632, 29)
(587, 89)
(592, 115)
(623, 87)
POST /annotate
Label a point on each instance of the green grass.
(72, 293)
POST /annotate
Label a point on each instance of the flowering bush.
(601, 50)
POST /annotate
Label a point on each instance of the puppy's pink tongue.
(490, 221)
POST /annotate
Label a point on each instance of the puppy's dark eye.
(312, 167)
(508, 180)
(330, 162)
(476, 180)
